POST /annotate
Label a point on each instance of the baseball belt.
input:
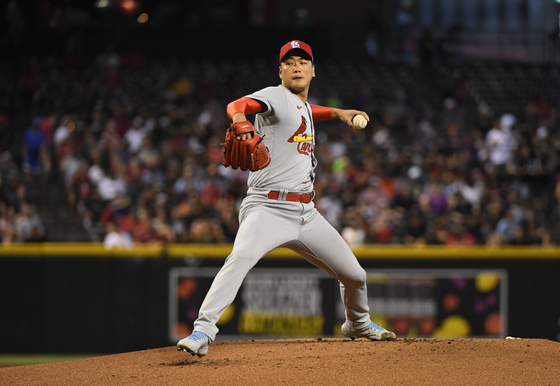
(305, 198)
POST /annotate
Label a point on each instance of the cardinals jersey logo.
(305, 142)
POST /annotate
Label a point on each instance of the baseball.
(359, 121)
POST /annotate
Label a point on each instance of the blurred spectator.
(35, 157)
(117, 238)
(12, 189)
(143, 231)
(206, 230)
(135, 136)
(384, 224)
(93, 208)
(7, 224)
(403, 197)
(69, 165)
(29, 227)
(458, 235)
(353, 231)
(227, 216)
(434, 200)
(499, 143)
(415, 230)
(62, 132)
(331, 207)
(110, 186)
(81, 188)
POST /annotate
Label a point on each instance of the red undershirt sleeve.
(321, 113)
(246, 106)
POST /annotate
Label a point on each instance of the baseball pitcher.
(278, 210)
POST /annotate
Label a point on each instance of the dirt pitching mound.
(314, 361)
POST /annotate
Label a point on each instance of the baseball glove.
(249, 154)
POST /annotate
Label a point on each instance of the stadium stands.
(455, 155)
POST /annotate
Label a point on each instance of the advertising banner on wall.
(299, 302)
(270, 303)
(437, 303)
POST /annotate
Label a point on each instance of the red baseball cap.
(295, 45)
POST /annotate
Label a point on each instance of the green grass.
(7, 360)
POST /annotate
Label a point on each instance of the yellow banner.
(267, 324)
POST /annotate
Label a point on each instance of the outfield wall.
(82, 298)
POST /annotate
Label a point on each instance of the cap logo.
(295, 44)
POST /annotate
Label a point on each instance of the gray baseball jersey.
(289, 133)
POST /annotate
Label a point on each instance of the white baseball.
(359, 121)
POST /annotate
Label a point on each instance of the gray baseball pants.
(267, 224)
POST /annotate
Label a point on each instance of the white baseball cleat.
(372, 332)
(195, 344)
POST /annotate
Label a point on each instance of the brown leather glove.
(250, 154)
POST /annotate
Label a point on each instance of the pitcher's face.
(296, 73)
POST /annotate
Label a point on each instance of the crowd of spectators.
(136, 144)
(19, 221)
